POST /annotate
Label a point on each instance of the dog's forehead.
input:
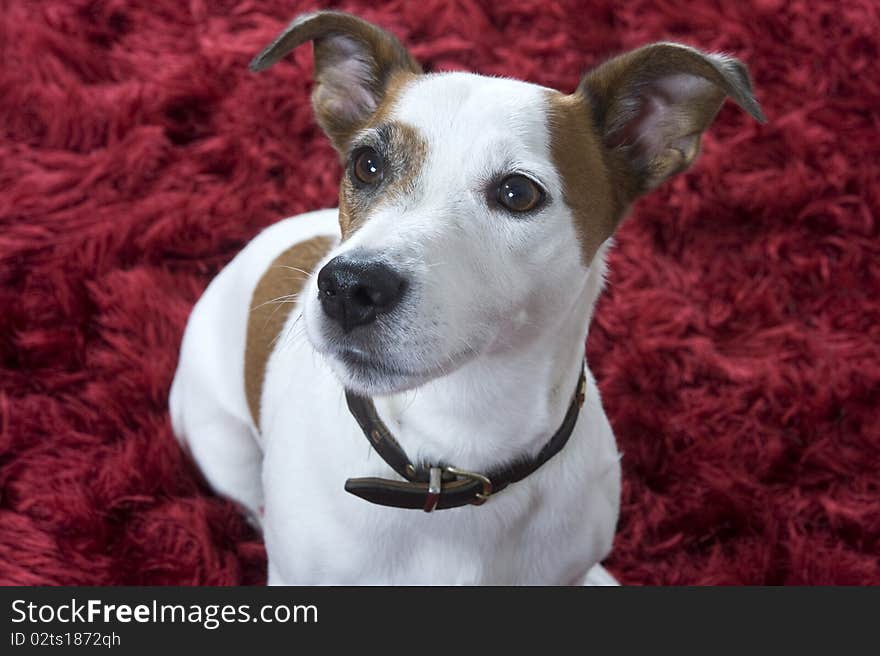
(465, 108)
(465, 129)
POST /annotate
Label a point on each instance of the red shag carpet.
(737, 348)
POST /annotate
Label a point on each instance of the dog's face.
(454, 193)
(471, 207)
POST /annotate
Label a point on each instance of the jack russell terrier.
(431, 357)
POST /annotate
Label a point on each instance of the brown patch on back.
(268, 314)
(586, 181)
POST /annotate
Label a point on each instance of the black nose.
(353, 292)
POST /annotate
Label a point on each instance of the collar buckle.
(435, 486)
(481, 497)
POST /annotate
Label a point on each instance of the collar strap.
(442, 486)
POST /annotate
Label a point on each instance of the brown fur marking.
(270, 308)
(351, 216)
(392, 66)
(407, 152)
(394, 88)
(586, 185)
(618, 89)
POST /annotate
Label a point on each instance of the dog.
(396, 390)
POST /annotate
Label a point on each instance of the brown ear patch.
(343, 136)
(394, 88)
(651, 105)
(269, 309)
(586, 184)
(341, 130)
(355, 63)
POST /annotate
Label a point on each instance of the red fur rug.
(737, 348)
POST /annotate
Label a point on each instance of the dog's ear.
(354, 63)
(650, 107)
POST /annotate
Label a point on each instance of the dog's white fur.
(499, 322)
(476, 367)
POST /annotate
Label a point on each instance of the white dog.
(447, 324)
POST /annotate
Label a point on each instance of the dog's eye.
(368, 167)
(519, 194)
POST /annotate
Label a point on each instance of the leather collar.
(441, 486)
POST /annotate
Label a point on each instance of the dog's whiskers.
(297, 269)
(278, 304)
(291, 334)
(287, 298)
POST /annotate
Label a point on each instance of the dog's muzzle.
(353, 292)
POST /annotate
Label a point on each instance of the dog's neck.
(505, 404)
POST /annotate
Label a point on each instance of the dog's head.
(472, 207)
